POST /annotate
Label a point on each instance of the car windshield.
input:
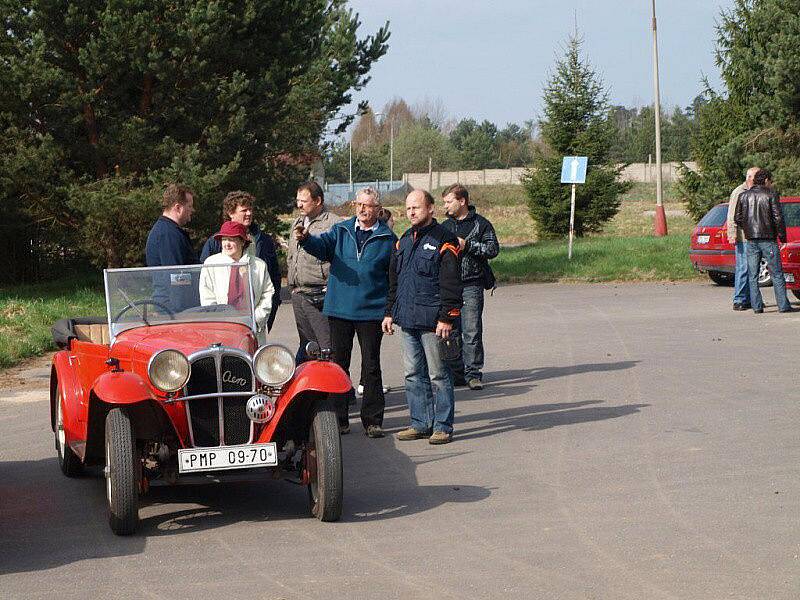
(715, 217)
(183, 294)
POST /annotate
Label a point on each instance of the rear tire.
(324, 459)
(796, 293)
(721, 278)
(764, 277)
(69, 462)
(122, 486)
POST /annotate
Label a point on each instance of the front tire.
(68, 461)
(324, 463)
(721, 278)
(122, 485)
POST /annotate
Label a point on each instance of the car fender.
(121, 387)
(124, 389)
(311, 378)
(64, 377)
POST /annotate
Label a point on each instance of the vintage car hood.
(186, 337)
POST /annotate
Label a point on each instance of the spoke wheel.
(68, 461)
(323, 460)
(764, 278)
(122, 485)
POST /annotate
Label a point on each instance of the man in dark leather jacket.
(478, 244)
(239, 206)
(758, 214)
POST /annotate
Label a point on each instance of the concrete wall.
(638, 172)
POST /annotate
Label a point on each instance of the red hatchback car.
(712, 253)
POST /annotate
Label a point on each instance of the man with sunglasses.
(359, 250)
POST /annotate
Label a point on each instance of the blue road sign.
(573, 169)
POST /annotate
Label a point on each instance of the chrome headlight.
(169, 370)
(273, 365)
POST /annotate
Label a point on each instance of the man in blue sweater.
(168, 244)
(359, 250)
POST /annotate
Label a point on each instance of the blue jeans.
(429, 386)
(768, 250)
(470, 364)
(741, 287)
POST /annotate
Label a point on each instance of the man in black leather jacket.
(758, 214)
(478, 244)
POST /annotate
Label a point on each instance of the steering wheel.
(136, 303)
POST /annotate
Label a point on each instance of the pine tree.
(115, 98)
(576, 123)
(756, 120)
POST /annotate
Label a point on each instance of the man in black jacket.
(424, 299)
(758, 214)
(240, 207)
(478, 244)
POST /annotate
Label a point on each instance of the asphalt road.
(632, 441)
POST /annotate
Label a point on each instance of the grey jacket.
(305, 272)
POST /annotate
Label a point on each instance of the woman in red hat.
(232, 286)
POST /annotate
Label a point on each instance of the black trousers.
(369, 339)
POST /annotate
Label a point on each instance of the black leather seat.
(64, 329)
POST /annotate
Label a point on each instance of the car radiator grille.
(219, 420)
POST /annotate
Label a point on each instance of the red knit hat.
(233, 229)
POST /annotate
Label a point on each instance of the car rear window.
(791, 213)
(715, 217)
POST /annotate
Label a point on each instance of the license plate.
(223, 458)
(703, 239)
(789, 277)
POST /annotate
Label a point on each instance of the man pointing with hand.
(425, 296)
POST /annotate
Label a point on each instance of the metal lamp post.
(661, 217)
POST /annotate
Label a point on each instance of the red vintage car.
(163, 389)
(712, 253)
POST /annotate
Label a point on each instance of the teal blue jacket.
(358, 281)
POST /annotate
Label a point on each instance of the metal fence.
(341, 193)
(30, 255)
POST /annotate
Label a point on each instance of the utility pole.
(391, 150)
(661, 217)
(351, 166)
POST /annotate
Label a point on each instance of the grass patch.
(28, 311)
(506, 207)
(596, 259)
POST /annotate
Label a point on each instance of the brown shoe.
(410, 434)
(374, 431)
(440, 437)
(475, 384)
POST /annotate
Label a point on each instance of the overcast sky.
(489, 60)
